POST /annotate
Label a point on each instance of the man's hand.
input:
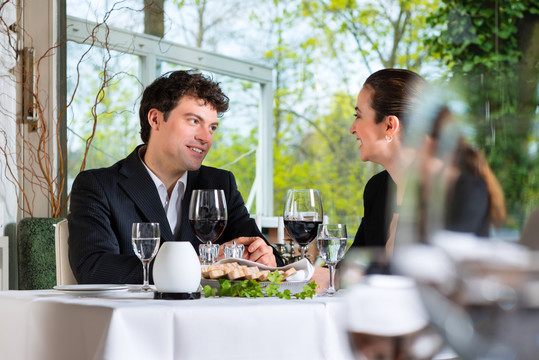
(257, 250)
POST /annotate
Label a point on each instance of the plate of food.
(294, 276)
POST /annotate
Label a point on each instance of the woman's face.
(370, 135)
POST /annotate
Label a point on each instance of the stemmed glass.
(332, 241)
(302, 214)
(208, 216)
(145, 239)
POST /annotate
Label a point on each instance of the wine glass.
(208, 216)
(302, 214)
(332, 241)
(145, 239)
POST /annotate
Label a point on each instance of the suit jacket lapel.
(139, 186)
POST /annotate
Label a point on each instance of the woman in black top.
(383, 107)
(383, 112)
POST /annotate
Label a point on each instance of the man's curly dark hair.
(166, 91)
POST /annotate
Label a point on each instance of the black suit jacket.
(105, 202)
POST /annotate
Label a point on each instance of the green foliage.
(272, 290)
(308, 291)
(209, 291)
(245, 288)
(473, 37)
(253, 288)
(479, 42)
(275, 277)
(36, 254)
(389, 32)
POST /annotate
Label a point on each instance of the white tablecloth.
(45, 324)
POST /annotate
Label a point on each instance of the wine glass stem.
(331, 288)
(145, 276)
(303, 252)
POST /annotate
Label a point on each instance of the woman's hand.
(321, 277)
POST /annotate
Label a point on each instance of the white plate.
(294, 284)
(90, 289)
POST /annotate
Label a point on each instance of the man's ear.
(392, 125)
(154, 118)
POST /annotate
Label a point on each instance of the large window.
(293, 100)
(110, 104)
(107, 70)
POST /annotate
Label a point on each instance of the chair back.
(64, 274)
(530, 233)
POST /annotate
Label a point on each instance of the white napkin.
(304, 268)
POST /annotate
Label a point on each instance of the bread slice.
(235, 271)
(236, 274)
(288, 273)
(262, 275)
(216, 274)
(251, 272)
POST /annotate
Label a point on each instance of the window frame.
(151, 49)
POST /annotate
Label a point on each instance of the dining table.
(126, 324)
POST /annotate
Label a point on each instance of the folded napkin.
(304, 268)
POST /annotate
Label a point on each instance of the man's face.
(183, 141)
(369, 134)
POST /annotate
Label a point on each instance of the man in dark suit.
(178, 116)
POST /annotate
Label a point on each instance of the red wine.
(208, 230)
(303, 232)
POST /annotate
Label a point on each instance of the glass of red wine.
(302, 214)
(208, 216)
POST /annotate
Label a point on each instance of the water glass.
(145, 240)
(332, 241)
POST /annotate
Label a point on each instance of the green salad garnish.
(252, 288)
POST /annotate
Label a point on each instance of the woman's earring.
(389, 138)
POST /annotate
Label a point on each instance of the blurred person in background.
(475, 200)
